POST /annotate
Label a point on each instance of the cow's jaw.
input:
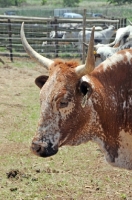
(124, 159)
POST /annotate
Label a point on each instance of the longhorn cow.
(81, 103)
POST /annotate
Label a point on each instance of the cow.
(55, 34)
(122, 36)
(123, 40)
(102, 37)
(74, 31)
(81, 103)
(103, 51)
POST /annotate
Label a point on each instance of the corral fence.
(37, 31)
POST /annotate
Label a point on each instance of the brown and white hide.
(96, 107)
(81, 103)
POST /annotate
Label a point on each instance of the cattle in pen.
(123, 40)
(102, 37)
(81, 103)
(123, 35)
(73, 32)
(55, 34)
(103, 52)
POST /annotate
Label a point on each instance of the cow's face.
(63, 113)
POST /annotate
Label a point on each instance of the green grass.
(74, 173)
(30, 115)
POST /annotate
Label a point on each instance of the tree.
(6, 3)
(119, 2)
(70, 3)
(44, 2)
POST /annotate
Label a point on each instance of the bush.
(7, 3)
(70, 3)
(44, 2)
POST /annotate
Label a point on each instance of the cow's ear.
(86, 90)
(41, 80)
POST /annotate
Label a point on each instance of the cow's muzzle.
(42, 150)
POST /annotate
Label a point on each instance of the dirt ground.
(86, 176)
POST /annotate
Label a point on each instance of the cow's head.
(63, 95)
(80, 103)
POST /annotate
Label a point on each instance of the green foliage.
(123, 196)
(18, 2)
(119, 2)
(70, 3)
(44, 2)
(7, 3)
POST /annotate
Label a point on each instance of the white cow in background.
(103, 37)
(103, 52)
(121, 35)
(123, 40)
(73, 32)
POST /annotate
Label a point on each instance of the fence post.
(56, 36)
(10, 39)
(84, 38)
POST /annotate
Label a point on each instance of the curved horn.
(32, 53)
(89, 65)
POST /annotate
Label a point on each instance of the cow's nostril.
(38, 149)
(43, 151)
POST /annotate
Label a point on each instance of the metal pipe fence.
(38, 29)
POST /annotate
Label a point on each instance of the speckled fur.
(107, 112)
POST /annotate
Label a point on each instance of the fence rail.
(37, 30)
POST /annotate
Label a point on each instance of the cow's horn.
(32, 53)
(89, 65)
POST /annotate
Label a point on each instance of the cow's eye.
(63, 103)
